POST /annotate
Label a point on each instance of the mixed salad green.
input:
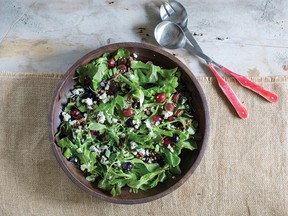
(126, 122)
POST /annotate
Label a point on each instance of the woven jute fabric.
(244, 170)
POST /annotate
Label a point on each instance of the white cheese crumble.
(136, 123)
(79, 129)
(170, 148)
(133, 145)
(78, 91)
(105, 98)
(135, 55)
(66, 116)
(147, 152)
(94, 149)
(141, 151)
(85, 116)
(83, 167)
(152, 134)
(157, 123)
(79, 150)
(167, 114)
(89, 102)
(107, 86)
(72, 123)
(114, 120)
(148, 124)
(101, 117)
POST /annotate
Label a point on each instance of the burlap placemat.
(244, 170)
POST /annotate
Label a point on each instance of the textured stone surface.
(249, 37)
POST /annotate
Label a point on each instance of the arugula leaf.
(68, 153)
(101, 72)
(97, 127)
(122, 53)
(65, 143)
(190, 144)
(171, 158)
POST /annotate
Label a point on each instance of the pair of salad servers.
(172, 33)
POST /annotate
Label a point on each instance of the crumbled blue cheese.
(95, 149)
(89, 101)
(105, 98)
(66, 116)
(148, 124)
(152, 134)
(141, 151)
(83, 167)
(147, 152)
(136, 123)
(167, 114)
(107, 86)
(101, 117)
(170, 148)
(85, 116)
(79, 129)
(157, 123)
(72, 123)
(135, 55)
(79, 150)
(78, 91)
(133, 145)
(114, 120)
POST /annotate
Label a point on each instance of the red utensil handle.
(244, 81)
(225, 87)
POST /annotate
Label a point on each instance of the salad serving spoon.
(171, 36)
(175, 12)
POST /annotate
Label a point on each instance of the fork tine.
(169, 8)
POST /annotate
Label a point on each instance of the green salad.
(126, 122)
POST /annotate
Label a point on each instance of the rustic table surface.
(249, 37)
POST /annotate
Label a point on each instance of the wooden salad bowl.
(189, 159)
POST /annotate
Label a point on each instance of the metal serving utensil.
(175, 12)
